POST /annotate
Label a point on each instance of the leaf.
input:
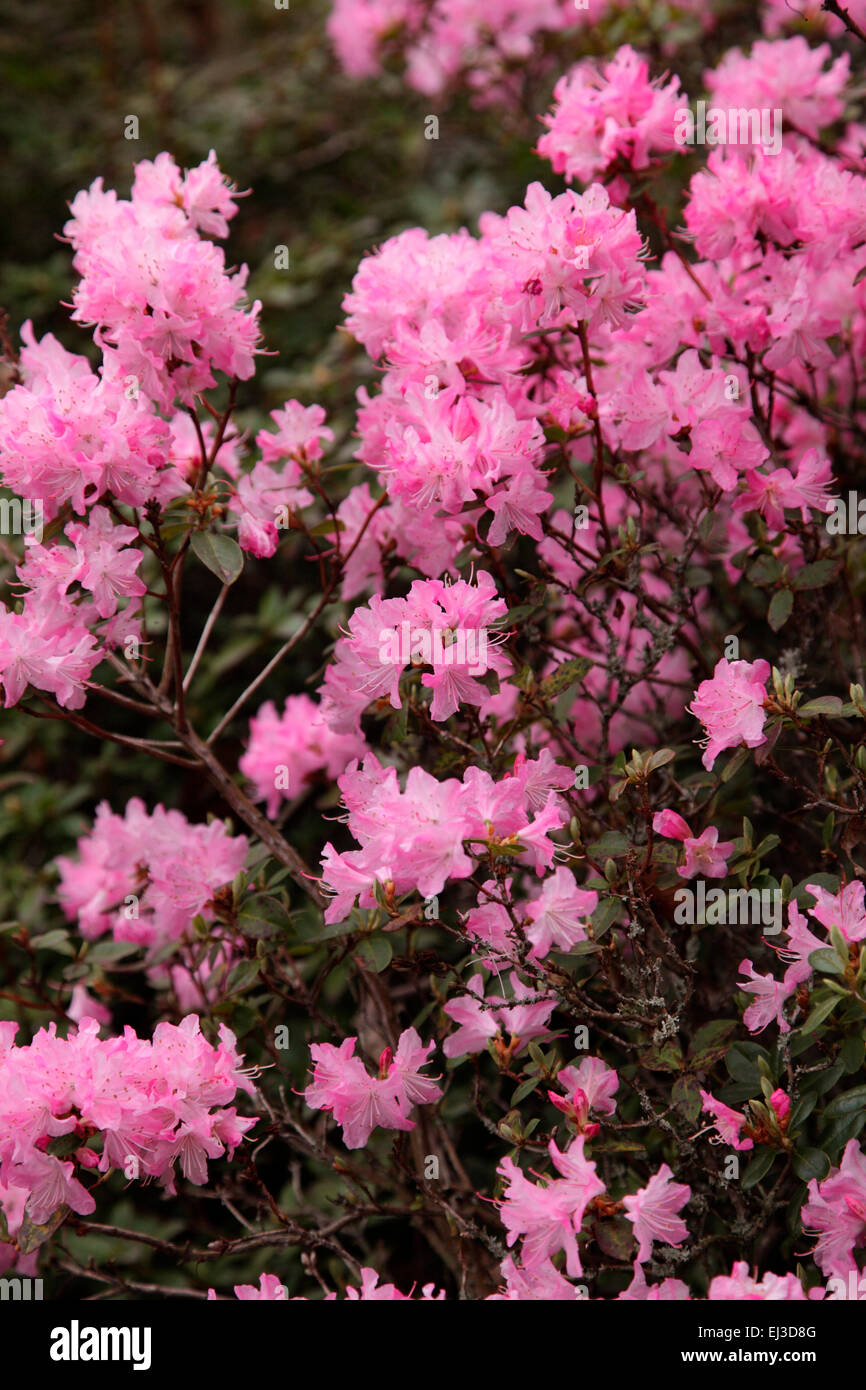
(848, 1104)
(852, 1054)
(30, 1236)
(686, 1096)
(710, 1043)
(780, 609)
(758, 1168)
(374, 953)
(810, 1163)
(742, 1063)
(57, 940)
(815, 576)
(524, 1089)
(615, 1238)
(830, 705)
(567, 673)
(242, 975)
(735, 763)
(220, 554)
(606, 913)
(826, 960)
(112, 950)
(821, 1081)
(801, 1111)
(668, 1057)
(821, 1011)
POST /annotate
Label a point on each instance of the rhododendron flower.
(548, 1218)
(653, 1212)
(740, 1286)
(836, 1210)
(729, 1123)
(152, 1104)
(515, 1020)
(844, 909)
(731, 707)
(705, 855)
(286, 750)
(359, 1102)
(559, 915)
(770, 995)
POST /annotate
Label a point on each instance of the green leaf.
(524, 1089)
(220, 554)
(606, 913)
(801, 1111)
(686, 1096)
(821, 1081)
(242, 975)
(758, 1168)
(668, 1057)
(57, 940)
(734, 764)
(567, 673)
(112, 950)
(830, 705)
(820, 1011)
(852, 1054)
(710, 1043)
(780, 609)
(847, 1104)
(826, 960)
(810, 1163)
(375, 953)
(815, 576)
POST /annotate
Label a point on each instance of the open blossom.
(167, 313)
(731, 707)
(836, 1211)
(844, 909)
(729, 1123)
(559, 915)
(705, 854)
(548, 1217)
(770, 995)
(360, 1102)
(607, 115)
(154, 1105)
(516, 1022)
(415, 838)
(286, 750)
(444, 626)
(653, 1212)
(741, 1286)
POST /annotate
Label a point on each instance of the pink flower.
(652, 1210)
(739, 1286)
(844, 909)
(705, 855)
(359, 1102)
(731, 707)
(836, 1210)
(770, 995)
(729, 1123)
(548, 1218)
